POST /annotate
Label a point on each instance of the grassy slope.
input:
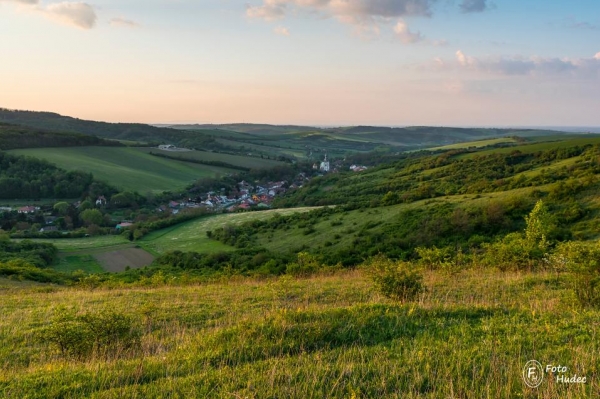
(127, 168)
(353, 221)
(477, 144)
(191, 236)
(333, 337)
(537, 146)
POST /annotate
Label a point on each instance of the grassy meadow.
(127, 168)
(332, 336)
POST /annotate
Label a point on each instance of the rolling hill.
(127, 168)
(275, 142)
(14, 136)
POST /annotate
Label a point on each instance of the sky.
(313, 62)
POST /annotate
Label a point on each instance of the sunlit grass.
(469, 336)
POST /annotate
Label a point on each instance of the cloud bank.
(20, 1)
(405, 35)
(124, 23)
(522, 66)
(281, 31)
(469, 6)
(78, 14)
(351, 11)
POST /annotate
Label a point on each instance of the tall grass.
(468, 336)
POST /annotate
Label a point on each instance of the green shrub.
(433, 258)
(305, 265)
(582, 260)
(103, 333)
(399, 281)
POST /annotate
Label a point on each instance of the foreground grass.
(330, 336)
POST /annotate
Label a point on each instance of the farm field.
(95, 254)
(119, 260)
(237, 160)
(328, 336)
(127, 168)
(68, 263)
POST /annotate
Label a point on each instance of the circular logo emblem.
(533, 374)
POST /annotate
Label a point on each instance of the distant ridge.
(210, 136)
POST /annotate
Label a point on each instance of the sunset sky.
(319, 62)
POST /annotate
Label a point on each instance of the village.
(116, 217)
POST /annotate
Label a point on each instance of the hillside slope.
(13, 137)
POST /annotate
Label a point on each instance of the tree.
(92, 216)
(123, 200)
(85, 205)
(61, 208)
(539, 224)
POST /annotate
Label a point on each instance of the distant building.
(123, 225)
(166, 147)
(101, 201)
(324, 165)
(27, 209)
(357, 168)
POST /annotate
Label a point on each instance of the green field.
(237, 160)
(188, 236)
(71, 263)
(536, 147)
(475, 144)
(325, 337)
(191, 236)
(85, 244)
(127, 168)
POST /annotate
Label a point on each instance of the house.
(357, 168)
(173, 204)
(27, 209)
(101, 201)
(50, 219)
(5, 209)
(167, 147)
(48, 228)
(123, 225)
